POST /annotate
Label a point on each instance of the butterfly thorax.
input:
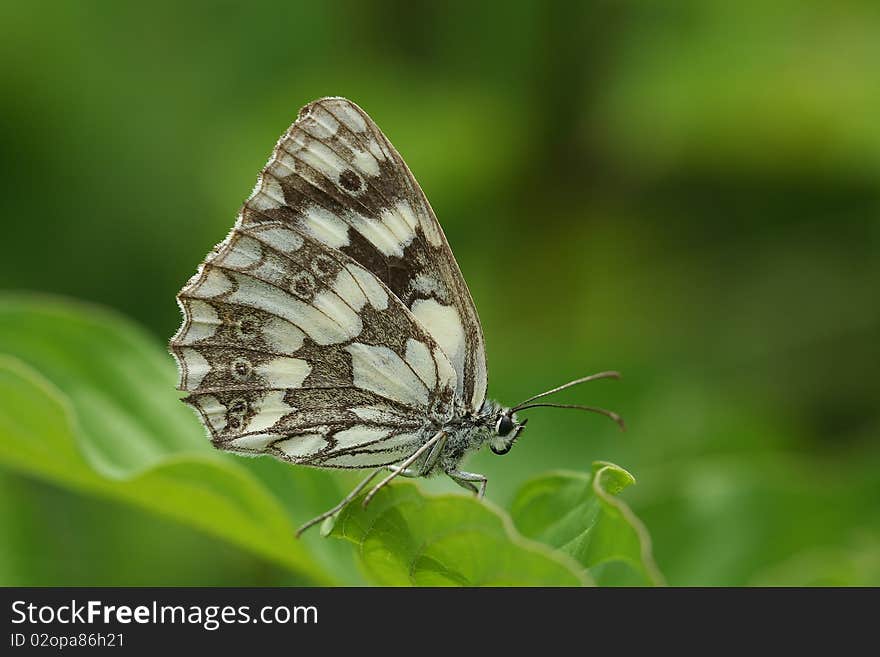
(468, 432)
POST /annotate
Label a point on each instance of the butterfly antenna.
(592, 409)
(576, 382)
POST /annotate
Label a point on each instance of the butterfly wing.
(291, 348)
(335, 177)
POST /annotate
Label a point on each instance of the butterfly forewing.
(334, 177)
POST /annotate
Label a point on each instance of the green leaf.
(51, 537)
(407, 538)
(581, 515)
(89, 404)
(118, 380)
(37, 436)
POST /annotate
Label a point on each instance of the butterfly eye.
(504, 425)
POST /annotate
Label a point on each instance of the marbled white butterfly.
(332, 327)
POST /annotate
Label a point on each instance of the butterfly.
(333, 328)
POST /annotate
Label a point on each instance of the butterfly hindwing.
(335, 178)
(292, 348)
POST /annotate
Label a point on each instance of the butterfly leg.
(470, 480)
(432, 458)
(336, 509)
(409, 473)
(439, 438)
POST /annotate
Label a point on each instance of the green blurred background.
(688, 192)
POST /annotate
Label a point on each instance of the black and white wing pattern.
(293, 349)
(335, 177)
(332, 327)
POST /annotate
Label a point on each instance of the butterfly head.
(506, 428)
